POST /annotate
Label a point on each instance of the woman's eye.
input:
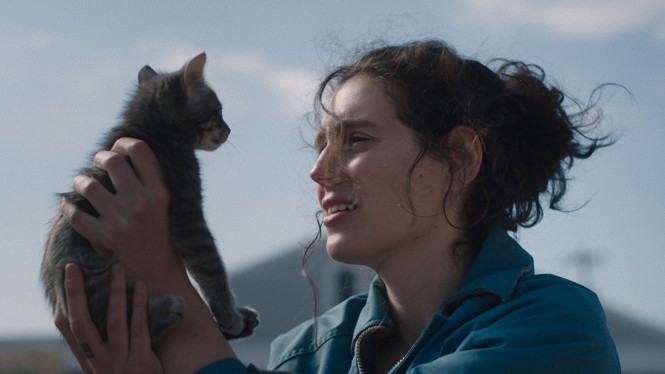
(357, 140)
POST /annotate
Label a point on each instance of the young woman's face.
(374, 208)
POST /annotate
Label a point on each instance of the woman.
(426, 161)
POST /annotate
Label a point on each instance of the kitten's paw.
(244, 326)
(164, 312)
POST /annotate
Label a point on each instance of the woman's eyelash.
(357, 137)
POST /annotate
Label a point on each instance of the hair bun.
(540, 140)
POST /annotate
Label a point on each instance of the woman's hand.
(133, 223)
(128, 348)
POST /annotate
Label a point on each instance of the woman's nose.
(325, 171)
(317, 171)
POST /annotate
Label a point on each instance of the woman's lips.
(336, 212)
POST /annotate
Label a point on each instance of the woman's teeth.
(340, 207)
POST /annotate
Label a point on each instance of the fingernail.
(75, 180)
(69, 271)
(65, 207)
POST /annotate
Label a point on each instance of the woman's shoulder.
(550, 290)
(547, 321)
(329, 333)
(340, 319)
(547, 309)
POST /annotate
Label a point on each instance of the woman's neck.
(417, 284)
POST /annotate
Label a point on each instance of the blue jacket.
(503, 319)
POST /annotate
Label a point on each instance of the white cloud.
(245, 62)
(175, 57)
(296, 88)
(589, 19)
(292, 87)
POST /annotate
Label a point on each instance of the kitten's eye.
(207, 124)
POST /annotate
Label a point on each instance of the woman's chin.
(345, 252)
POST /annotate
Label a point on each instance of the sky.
(66, 69)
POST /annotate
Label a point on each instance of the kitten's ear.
(146, 73)
(194, 69)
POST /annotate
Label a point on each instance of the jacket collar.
(375, 311)
(496, 270)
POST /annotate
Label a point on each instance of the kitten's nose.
(224, 131)
(223, 137)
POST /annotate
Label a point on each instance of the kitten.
(174, 114)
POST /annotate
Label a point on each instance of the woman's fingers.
(88, 342)
(62, 323)
(139, 326)
(145, 163)
(117, 313)
(134, 172)
(142, 355)
(139, 205)
(128, 349)
(120, 171)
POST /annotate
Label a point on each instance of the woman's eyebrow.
(352, 124)
(341, 125)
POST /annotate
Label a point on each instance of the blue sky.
(67, 67)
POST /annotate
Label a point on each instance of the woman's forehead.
(356, 96)
(360, 100)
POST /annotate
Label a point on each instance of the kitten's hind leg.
(164, 312)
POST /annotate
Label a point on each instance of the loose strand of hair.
(307, 253)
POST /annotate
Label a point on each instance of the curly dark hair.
(530, 135)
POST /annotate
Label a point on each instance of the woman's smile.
(335, 210)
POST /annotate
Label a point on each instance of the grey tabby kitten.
(174, 114)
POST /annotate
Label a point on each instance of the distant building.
(36, 356)
(284, 298)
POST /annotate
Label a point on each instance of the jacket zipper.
(363, 334)
(366, 332)
(397, 364)
(431, 327)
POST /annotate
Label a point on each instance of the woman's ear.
(467, 154)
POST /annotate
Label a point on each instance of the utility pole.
(585, 261)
